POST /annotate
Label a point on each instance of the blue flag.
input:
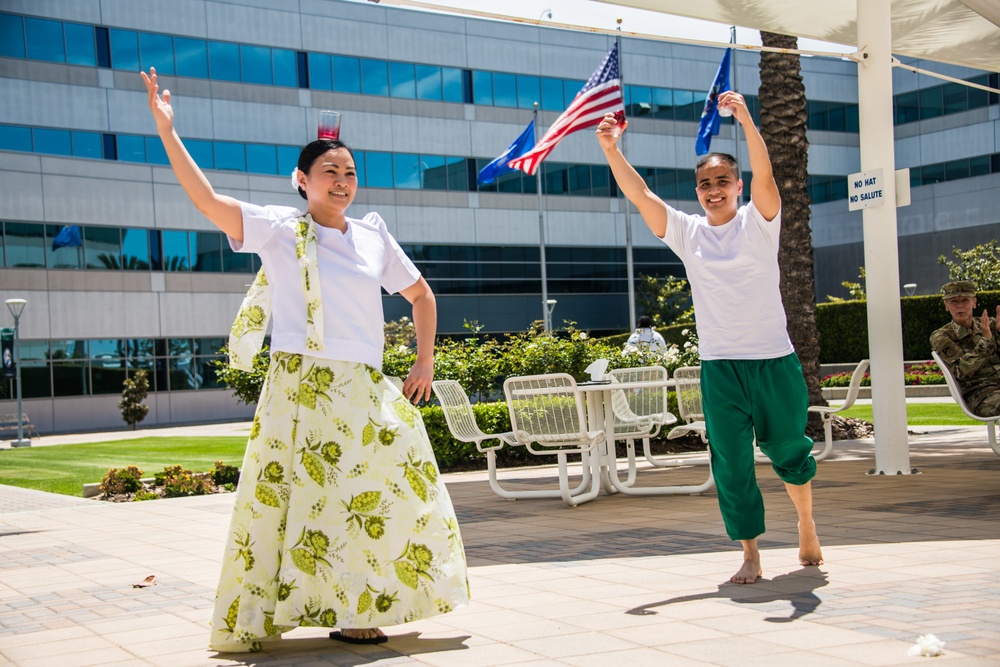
(498, 167)
(710, 116)
(67, 236)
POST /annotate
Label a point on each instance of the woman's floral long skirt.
(341, 517)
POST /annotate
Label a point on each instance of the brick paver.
(618, 581)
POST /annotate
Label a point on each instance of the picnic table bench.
(8, 423)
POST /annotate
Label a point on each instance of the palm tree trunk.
(783, 119)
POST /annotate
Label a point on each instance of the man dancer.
(751, 379)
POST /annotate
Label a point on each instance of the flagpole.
(629, 265)
(736, 125)
(546, 325)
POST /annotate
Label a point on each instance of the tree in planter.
(980, 264)
(665, 300)
(856, 291)
(246, 385)
(134, 392)
(783, 119)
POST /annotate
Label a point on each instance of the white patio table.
(600, 416)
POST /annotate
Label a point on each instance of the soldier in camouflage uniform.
(968, 345)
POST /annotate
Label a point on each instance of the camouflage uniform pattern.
(975, 363)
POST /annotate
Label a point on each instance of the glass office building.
(122, 273)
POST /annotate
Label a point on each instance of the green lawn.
(920, 414)
(66, 468)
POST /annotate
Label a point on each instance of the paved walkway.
(618, 581)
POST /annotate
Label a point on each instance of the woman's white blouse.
(354, 268)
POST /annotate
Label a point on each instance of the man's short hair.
(957, 289)
(644, 322)
(724, 158)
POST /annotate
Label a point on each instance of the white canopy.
(960, 32)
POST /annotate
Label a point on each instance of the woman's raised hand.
(163, 113)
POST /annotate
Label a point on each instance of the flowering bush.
(480, 363)
(671, 357)
(913, 374)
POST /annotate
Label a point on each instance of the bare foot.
(809, 549)
(362, 633)
(750, 570)
(747, 574)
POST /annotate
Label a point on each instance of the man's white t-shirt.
(734, 276)
(354, 267)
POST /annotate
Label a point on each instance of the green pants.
(745, 399)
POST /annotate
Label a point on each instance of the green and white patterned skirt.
(341, 517)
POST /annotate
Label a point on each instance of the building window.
(256, 64)
(124, 49)
(429, 83)
(224, 61)
(320, 72)
(102, 247)
(191, 57)
(45, 40)
(24, 245)
(156, 51)
(11, 36)
(285, 69)
(80, 45)
(402, 80)
(374, 77)
(346, 74)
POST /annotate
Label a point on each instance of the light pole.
(550, 305)
(16, 306)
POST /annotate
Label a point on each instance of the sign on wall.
(865, 190)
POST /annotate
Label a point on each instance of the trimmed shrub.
(223, 474)
(178, 482)
(843, 326)
(117, 482)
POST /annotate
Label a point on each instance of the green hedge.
(843, 326)
(492, 418)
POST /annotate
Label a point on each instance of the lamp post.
(550, 305)
(910, 288)
(16, 306)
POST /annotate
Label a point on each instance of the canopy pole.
(892, 456)
(945, 77)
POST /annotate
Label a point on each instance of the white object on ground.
(927, 645)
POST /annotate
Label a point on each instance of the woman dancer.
(341, 518)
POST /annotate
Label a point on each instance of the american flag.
(602, 93)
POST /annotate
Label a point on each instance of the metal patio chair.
(548, 416)
(462, 423)
(687, 381)
(827, 411)
(640, 413)
(956, 394)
